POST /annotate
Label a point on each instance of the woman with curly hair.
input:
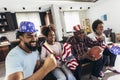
(52, 47)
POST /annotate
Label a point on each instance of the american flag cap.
(27, 26)
(77, 28)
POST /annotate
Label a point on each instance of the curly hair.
(95, 24)
(46, 29)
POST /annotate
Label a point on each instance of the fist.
(50, 62)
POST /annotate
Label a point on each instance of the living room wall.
(111, 9)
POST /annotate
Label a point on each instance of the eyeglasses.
(80, 32)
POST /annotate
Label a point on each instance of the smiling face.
(80, 34)
(51, 37)
(99, 29)
(29, 41)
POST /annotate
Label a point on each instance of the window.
(71, 19)
(33, 17)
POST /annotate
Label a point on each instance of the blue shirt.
(18, 60)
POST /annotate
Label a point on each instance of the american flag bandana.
(68, 58)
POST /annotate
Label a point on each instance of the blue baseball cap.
(27, 26)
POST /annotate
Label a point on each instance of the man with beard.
(21, 60)
(80, 49)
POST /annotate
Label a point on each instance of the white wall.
(109, 7)
(82, 16)
(33, 17)
(11, 35)
(45, 5)
(29, 16)
(57, 22)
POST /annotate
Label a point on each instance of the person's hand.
(59, 63)
(88, 56)
(50, 63)
(92, 58)
(107, 46)
(101, 37)
(84, 56)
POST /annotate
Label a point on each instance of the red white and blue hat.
(27, 26)
(77, 28)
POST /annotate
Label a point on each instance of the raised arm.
(49, 64)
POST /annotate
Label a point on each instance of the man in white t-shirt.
(21, 60)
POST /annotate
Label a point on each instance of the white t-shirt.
(18, 60)
(93, 36)
(56, 48)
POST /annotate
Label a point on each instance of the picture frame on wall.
(104, 17)
(87, 22)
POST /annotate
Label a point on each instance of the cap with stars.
(27, 26)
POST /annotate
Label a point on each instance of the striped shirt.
(81, 46)
(68, 58)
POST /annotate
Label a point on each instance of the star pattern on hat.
(27, 26)
(23, 27)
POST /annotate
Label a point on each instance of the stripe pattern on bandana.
(71, 62)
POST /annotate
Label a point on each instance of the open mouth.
(33, 43)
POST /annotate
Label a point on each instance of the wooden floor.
(108, 74)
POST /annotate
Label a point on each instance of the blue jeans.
(63, 73)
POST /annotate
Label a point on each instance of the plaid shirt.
(81, 46)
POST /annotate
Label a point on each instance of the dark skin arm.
(85, 56)
(49, 64)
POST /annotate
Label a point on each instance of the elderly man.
(21, 60)
(80, 49)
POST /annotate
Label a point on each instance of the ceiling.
(42, 5)
(80, 0)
